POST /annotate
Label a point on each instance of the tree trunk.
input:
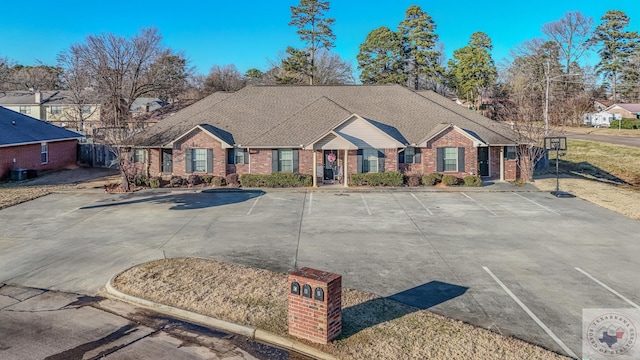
(124, 179)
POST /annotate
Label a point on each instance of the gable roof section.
(441, 128)
(632, 108)
(223, 137)
(28, 130)
(179, 123)
(288, 116)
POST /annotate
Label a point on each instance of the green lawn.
(601, 160)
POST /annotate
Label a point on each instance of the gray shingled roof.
(49, 97)
(295, 115)
(16, 128)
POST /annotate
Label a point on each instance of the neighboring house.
(599, 119)
(629, 111)
(57, 107)
(145, 105)
(328, 131)
(27, 143)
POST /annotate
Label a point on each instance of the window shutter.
(274, 160)
(417, 157)
(401, 157)
(230, 156)
(380, 161)
(296, 161)
(209, 161)
(359, 161)
(461, 159)
(188, 162)
(246, 155)
(440, 160)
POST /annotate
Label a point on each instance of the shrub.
(450, 180)
(176, 181)
(155, 182)
(232, 180)
(218, 181)
(431, 179)
(276, 180)
(391, 178)
(412, 179)
(141, 180)
(194, 180)
(207, 179)
(472, 180)
(625, 123)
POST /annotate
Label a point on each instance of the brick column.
(315, 305)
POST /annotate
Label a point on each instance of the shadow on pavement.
(185, 201)
(373, 312)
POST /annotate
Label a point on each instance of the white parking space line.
(482, 206)
(531, 314)
(533, 202)
(610, 289)
(310, 202)
(365, 204)
(254, 205)
(423, 205)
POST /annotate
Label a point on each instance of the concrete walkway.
(42, 324)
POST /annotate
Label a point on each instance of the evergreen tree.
(472, 70)
(381, 58)
(314, 29)
(419, 40)
(616, 44)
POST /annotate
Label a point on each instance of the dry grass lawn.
(601, 131)
(374, 327)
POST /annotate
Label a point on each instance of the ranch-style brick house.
(330, 132)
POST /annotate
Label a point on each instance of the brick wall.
(390, 159)
(155, 162)
(494, 162)
(305, 161)
(62, 154)
(450, 138)
(260, 160)
(199, 140)
(317, 320)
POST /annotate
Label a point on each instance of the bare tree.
(5, 72)
(223, 78)
(39, 77)
(80, 89)
(571, 33)
(121, 69)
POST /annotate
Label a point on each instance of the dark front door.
(167, 161)
(483, 161)
(330, 163)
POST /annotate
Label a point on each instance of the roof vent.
(13, 123)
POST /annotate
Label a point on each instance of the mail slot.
(306, 291)
(295, 288)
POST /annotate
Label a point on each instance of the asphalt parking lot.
(520, 263)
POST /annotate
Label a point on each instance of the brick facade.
(450, 138)
(62, 154)
(312, 317)
(260, 161)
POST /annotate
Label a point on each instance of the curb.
(226, 326)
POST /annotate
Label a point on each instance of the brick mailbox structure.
(315, 305)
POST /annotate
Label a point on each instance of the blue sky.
(249, 33)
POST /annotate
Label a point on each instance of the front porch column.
(346, 166)
(502, 163)
(315, 168)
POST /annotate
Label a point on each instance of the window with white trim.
(285, 160)
(450, 159)
(238, 156)
(510, 152)
(369, 160)
(139, 155)
(25, 109)
(55, 110)
(409, 154)
(44, 153)
(199, 160)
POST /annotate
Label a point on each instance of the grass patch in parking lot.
(373, 327)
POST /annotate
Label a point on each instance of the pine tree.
(419, 40)
(381, 58)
